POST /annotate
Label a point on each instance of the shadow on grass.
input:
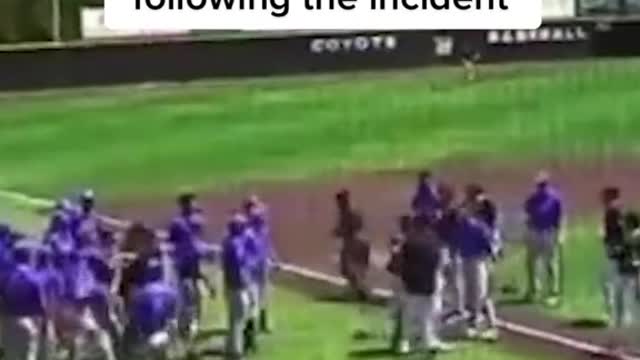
(211, 353)
(207, 334)
(386, 353)
(514, 301)
(335, 298)
(587, 323)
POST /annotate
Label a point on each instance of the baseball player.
(52, 285)
(152, 317)
(23, 307)
(186, 232)
(264, 256)
(476, 240)
(355, 251)
(613, 239)
(626, 288)
(544, 221)
(469, 58)
(237, 279)
(394, 268)
(446, 227)
(86, 224)
(426, 199)
(59, 234)
(421, 259)
(83, 299)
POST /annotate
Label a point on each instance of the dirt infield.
(303, 212)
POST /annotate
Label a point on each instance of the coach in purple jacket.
(544, 220)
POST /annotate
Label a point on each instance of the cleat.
(490, 335)
(471, 333)
(552, 301)
(440, 347)
(403, 348)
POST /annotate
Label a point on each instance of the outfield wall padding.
(108, 64)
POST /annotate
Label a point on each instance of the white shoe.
(404, 347)
(440, 347)
(471, 333)
(490, 334)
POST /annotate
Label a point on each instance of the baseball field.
(297, 140)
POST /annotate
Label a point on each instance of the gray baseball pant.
(542, 248)
(477, 292)
(238, 313)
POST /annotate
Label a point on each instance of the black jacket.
(420, 263)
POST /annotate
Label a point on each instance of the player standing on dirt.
(426, 200)
(544, 221)
(355, 251)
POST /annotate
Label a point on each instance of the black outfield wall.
(182, 61)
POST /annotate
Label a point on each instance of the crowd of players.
(83, 289)
(442, 257)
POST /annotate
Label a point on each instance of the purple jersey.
(22, 292)
(87, 230)
(258, 251)
(185, 234)
(6, 261)
(59, 234)
(544, 209)
(236, 267)
(426, 200)
(153, 307)
(474, 238)
(80, 282)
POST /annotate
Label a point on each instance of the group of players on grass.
(84, 291)
(442, 257)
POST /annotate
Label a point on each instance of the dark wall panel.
(182, 61)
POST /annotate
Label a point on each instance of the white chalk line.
(519, 329)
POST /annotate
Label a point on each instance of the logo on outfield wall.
(543, 34)
(443, 45)
(356, 44)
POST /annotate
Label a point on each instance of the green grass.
(306, 328)
(584, 258)
(210, 135)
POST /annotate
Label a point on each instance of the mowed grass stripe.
(212, 135)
